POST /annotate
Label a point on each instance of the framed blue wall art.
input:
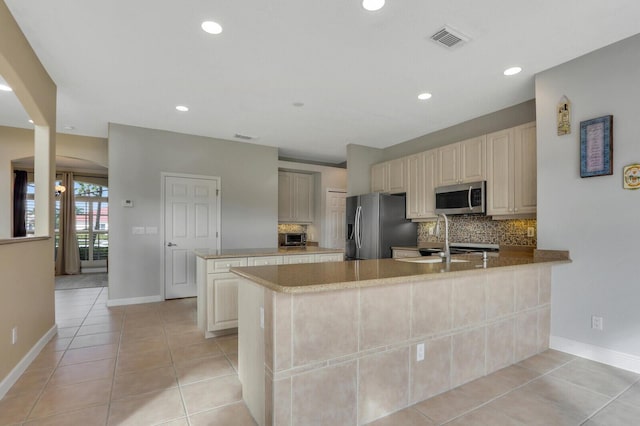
(596, 147)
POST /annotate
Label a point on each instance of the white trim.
(134, 300)
(596, 353)
(163, 177)
(24, 363)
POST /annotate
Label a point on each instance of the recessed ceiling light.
(512, 71)
(182, 108)
(211, 27)
(424, 96)
(372, 5)
(67, 127)
(5, 88)
(31, 121)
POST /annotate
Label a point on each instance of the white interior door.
(336, 218)
(191, 221)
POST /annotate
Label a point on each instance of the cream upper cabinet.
(421, 185)
(511, 168)
(380, 177)
(390, 176)
(462, 162)
(295, 197)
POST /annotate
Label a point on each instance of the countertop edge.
(258, 252)
(553, 258)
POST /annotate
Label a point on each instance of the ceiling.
(358, 73)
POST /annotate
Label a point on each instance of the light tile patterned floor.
(135, 365)
(148, 365)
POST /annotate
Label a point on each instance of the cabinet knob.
(228, 265)
(515, 210)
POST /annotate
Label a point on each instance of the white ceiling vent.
(449, 38)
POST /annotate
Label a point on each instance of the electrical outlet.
(531, 232)
(420, 352)
(431, 229)
(596, 322)
(14, 335)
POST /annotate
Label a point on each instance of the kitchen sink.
(428, 259)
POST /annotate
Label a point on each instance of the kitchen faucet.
(446, 253)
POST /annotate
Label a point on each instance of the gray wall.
(138, 156)
(503, 119)
(594, 217)
(361, 158)
(359, 161)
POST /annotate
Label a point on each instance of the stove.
(463, 248)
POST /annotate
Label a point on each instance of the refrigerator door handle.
(358, 229)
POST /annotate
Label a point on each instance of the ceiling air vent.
(243, 137)
(449, 38)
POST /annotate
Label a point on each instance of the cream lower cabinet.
(218, 288)
(511, 169)
(421, 199)
(404, 253)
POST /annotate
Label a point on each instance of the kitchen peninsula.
(218, 288)
(349, 342)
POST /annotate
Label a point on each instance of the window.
(92, 222)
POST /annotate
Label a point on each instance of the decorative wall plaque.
(596, 147)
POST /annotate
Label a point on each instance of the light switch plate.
(137, 230)
(152, 230)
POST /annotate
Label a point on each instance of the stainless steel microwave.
(464, 198)
(292, 239)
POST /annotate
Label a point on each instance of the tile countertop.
(315, 277)
(254, 252)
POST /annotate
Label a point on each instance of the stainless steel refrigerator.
(375, 223)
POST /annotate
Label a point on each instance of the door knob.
(171, 245)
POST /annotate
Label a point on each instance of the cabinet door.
(285, 202)
(380, 177)
(415, 172)
(303, 197)
(525, 169)
(421, 183)
(429, 175)
(329, 257)
(448, 165)
(473, 159)
(398, 176)
(222, 301)
(500, 172)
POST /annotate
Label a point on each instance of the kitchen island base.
(349, 356)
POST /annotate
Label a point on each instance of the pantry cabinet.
(512, 171)
(462, 162)
(295, 197)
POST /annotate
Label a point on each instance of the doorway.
(191, 221)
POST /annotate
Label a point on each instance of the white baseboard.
(24, 363)
(596, 353)
(134, 300)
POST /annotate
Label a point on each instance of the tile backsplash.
(291, 227)
(482, 229)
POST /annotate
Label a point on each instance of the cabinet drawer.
(400, 254)
(264, 260)
(223, 265)
(300, 258)
(329, 257)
